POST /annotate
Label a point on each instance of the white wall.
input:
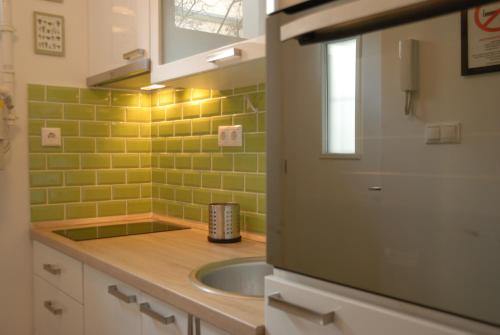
(15, 247)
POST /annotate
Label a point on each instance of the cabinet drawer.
(55, 312)
(60, 270)
(299, 309)
(157, 317)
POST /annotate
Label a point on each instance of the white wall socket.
(51, 137)
(230, 136)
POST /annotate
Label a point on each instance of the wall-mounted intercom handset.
(408, 65)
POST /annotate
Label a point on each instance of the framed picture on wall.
(49, 34)
(481, 39)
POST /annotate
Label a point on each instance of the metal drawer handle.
(50, 306)
(374, 188)
(224, 55)
(113, 290)
(275, 300)
(145, 308)
(52, 269)
(134, 54)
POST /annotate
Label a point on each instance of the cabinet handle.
(224, 55)
(197, 325)
(50, 306)
(134, 54)
(277, 301)
(52, 269)
(145, 308)
(113, 290)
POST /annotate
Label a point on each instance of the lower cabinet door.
(208, 329)
(55, 312)
(159, 318)
(111, 307)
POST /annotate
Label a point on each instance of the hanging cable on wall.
(408, 67)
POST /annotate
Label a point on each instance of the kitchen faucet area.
(249, 167)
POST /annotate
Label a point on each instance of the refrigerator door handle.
(277, 301)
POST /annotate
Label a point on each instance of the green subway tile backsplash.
(128, 153)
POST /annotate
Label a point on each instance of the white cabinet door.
(115, 28)
(55, 313)
(111, 307)
(159, 318)
(209, 329)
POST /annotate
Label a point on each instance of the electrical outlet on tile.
(51, 137)
(230, 136)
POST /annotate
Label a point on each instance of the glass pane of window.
(342, 77)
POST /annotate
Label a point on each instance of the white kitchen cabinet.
(55, 313)
(159, 318)
(209, 329)
(115, 28)
(110, 306)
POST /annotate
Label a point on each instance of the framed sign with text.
(481, 39)
(49, 34)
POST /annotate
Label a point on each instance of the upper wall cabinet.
(118, 29)
(195, 36)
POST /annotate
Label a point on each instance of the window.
(342, 103)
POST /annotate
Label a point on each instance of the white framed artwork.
(49, 34)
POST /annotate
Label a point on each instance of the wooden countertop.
(159, 264)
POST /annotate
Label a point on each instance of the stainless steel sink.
(243, 277)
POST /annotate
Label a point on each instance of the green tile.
(262, 122)
(220, 121)
(204, 216)
(62, 94)
(112, 208)
(222, 196)
(184, 195)
(182, 95)
(192, 179)
(216, 93)
(255, 223)
(79, 145)
(167, 192)
(154, 129)
(255, 142)
(159, 207)
(45, 110)
(94, 129)
(145, 130)
(174, 144)
(79, 177)
(129, 99)
(166, 97)
(94, 96)
(211, 108)
(155, 191)
(245, 162)
(175, 210)
(255, 183)
(64, 194)
(126, 191)
(139, 176)
(155, 160)
(42, 179)
(226, 92)
(173, 112)
(182, 128)
(146, 190)
(211, 180)
(198, 94)
(95, 161)
(63, 161)
(183, 161)
(246, 89)
(158, 176)
(146, 161)
(201, 126)
(138, 145)
(157, 114)
(192, 213)
(47, 213)
(247, 121)
(234, 182)
(222, 162)
(125, 130)
(262, 86)
(210, 143)
(38, 196)
(96, 193)
(191, 144)
(36, 92)
(174, 178)
(262, 163)
(166, 129)
(114, 145)
(68, 128)
(35, 127)
(37, 162)
(167, 161)
(232, 149)
(103, 113)
(81, 211)
(107, 177)
(202, 162)
(139, 206)
(126, 161)
(191, 110)
(261, 204)
(258, 101)
(35, 145)
(202, 197)
(146, 100)
(138, 115)
(78, 112)
(247, 201)
(158, 145)
(232, 105)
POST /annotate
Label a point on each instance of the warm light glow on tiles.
(152, 87)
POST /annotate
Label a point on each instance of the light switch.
(443, 133)
(230, 136)
(432, 134)
(450, 133)
(51, 137)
